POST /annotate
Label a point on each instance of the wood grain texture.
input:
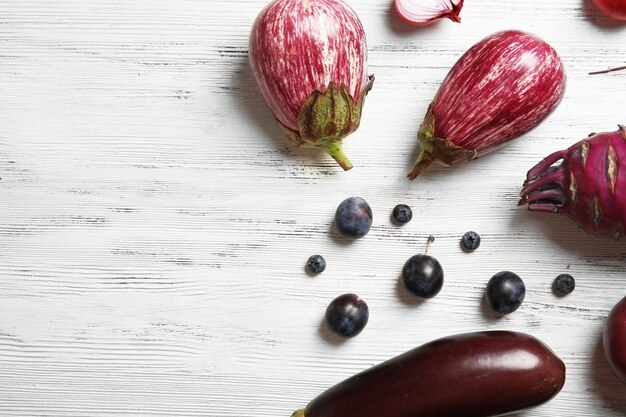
(154, 223)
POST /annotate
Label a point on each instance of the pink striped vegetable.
(309, 59)
(499, 89)
(589, 185)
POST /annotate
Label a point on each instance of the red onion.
(589, 185)
(499, 89)
(612, 8)
(309, 59)
(425, 12)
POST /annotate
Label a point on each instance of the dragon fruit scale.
(589, 185)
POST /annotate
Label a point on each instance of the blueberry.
(470, 241)
(347, 315)
(354, 217)
(505, 292)
(402, 213)
(316, 264)
(423, 276)
(564, 284)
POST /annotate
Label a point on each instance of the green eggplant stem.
(299, 413)
(436, 149)
(424, 159)
(326, 118)
(334, 149)
(422, 162)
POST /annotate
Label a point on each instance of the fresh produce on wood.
(614, 339)
(612, 8)
(423, 274)
(589, 185)
(354, 217)
(470, 375)
(316, 264)
(505, 292)
(425, 12)
(470, 241)
(402, 213)
(309, 59)
(499, 89)
(564, 284)
(347, 315)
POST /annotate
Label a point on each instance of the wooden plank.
(154, 223)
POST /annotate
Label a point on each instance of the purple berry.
(505, 292)
(402, 213)
(347, 315)
(423, 276)
(470, 241)
(354, 217)
(316, 264)
(564, 284)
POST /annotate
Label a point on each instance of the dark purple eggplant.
(471, 375)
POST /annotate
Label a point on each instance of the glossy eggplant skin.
(614, 340)
(470, 375)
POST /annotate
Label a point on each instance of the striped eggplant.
(588, 184)
(309, 59)
(499, 89)
(481, 374)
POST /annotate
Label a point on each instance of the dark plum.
(354, 217)
(505, 292)
(423, 276)
(470, 241)
(402, 213)
(564, 284)
(347, 315)
(316, 264)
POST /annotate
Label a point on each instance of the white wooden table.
(154, 223)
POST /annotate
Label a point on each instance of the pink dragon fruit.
(588, 185)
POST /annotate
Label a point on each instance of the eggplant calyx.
(298, 413)
(326, 118)
(434, 149)
(331, 146)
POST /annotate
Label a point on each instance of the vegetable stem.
(298, 413)
(421, 163)
(431, 239)
(334, 149)
(608, 70)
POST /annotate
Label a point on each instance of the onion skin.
(309, 59)
(612, 8)
(425, 12)
(471, 375)
(614, 340)
(588, 184)
(499, 89)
